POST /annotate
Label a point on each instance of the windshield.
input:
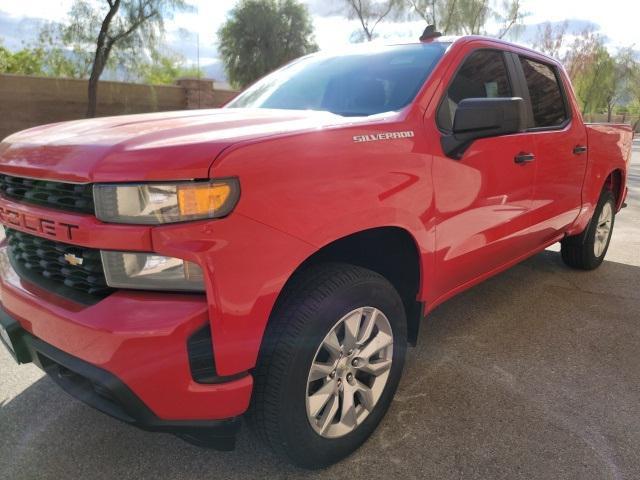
(355, 84)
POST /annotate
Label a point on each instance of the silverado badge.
(383, 136)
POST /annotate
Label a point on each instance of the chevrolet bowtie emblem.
(72, 259)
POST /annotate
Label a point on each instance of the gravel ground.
(533, 374)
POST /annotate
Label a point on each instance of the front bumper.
(137, 338)
(107, 393)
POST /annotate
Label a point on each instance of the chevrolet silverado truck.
(275, 257)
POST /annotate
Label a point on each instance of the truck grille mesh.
(43, 262)
(63, 196)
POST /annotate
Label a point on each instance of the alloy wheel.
(349, 372)
(603, 229)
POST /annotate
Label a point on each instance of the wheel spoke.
(332, 345)
(376, 368)
(318, 400)
(320, 370)
(329, 414)
(366, 396)
(370, 315)
(348, 415)
(377, 343)
(351, 328)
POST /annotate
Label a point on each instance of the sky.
(617, 20)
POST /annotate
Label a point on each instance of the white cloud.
(618, 19)
(205, 20)
(46, 9)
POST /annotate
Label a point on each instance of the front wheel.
(587, 250)
(331, 362)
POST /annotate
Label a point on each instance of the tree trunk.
(103, 49)
(96, 71)
(609, 112)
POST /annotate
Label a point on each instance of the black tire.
(305, 314)
(578, 251)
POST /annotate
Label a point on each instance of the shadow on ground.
(532, 374)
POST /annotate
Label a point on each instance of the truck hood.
(160, 146)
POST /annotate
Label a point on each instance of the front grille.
(43, 262)
(63, 196)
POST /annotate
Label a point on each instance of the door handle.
(579, 150)
(524, 158)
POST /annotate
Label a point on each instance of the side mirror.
(481, 118)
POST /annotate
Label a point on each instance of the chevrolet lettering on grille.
(24, 221)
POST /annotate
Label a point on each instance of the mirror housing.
(481, 118)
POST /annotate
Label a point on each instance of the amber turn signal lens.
(202, 200)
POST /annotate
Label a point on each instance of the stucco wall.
(27, 101)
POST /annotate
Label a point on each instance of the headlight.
(156, 203)
(148, 271)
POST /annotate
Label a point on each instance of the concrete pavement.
(534, 374)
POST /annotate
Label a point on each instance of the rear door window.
(547, 100)
(482, 75)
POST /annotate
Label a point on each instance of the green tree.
(601, 81)
(618, 85)
(63, 57)
(590, 68)
(591, 83)
(165, 69)
(468, 17)
(119, 30)
(634, 93)
(262, 35)
(27, 61)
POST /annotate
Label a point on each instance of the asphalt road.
(533, 374)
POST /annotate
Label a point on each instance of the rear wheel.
(330, 364)
(587, 250)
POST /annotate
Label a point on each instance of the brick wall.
(27, 101)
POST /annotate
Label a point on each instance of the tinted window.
(364, 82)
(546, 97)
(483, 75)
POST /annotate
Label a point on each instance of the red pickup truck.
(276, 256)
